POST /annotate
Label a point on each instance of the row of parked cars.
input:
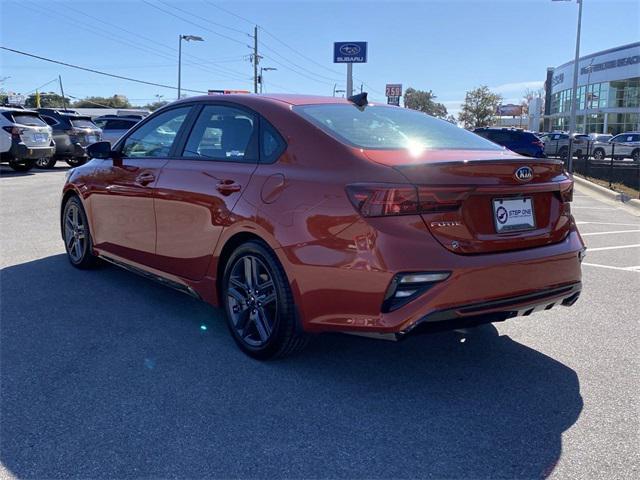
(556, 144)
(44, 136)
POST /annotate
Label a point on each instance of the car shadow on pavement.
(105, 374)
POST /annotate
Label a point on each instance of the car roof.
(290, 98)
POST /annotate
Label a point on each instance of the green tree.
(479, 107)
(117, 101)
(424, 101)
(153, 106)
(47, 100)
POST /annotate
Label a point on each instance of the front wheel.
(77, 238)
(76, 161)
(636, 155)
(22, 167)
(259, 305)
(598, 154)
(46, 162)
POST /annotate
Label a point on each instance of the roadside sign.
(16, 99)
(393, 90)
(225, 92)
(395, 100)
(509, 110)
(350, 52)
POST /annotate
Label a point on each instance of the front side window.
(388, 128)
(223, 134)
(155, 138)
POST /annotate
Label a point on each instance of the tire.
(22, 167)
(258, 302)
(76, 235)
(636, 155)
(564, 153)
(46, 162)
(76, 161)
(598, 154)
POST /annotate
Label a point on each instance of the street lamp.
(574, 90)
(265, 69)
(188, 38)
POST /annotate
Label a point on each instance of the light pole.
(188, 38)
(265, 69)
(574, 90)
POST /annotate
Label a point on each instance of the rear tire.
(258, 302)
(636, 155)
(76, 161)
(564, 153)
(76, 234)
(22, 167)
(47, 162)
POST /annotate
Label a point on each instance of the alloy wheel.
(598, 155)
(252, 300)
(75, 234)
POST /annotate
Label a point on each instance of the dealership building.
(608, 92)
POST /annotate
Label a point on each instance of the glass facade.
(617, 94)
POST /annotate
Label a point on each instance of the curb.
(611, 194)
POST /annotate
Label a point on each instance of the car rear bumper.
(71, 150)
(20, 151)
(481, 288)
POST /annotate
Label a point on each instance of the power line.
(98, 72)
(218, 70)
(237, 30)
(196, 24)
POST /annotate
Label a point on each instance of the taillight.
(15, 132)
(566, 192)
(382, 199)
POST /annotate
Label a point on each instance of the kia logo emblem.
(524, 174)
(350, 49)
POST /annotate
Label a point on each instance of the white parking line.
(606, 223)
(608, 233)
(624, 269)
(612, 248)
(593, 208)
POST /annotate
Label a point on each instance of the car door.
(197, 193)
(121, 199)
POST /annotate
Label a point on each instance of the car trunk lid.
(461, 193)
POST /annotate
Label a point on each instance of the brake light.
(566, 192)
(382, 199)
(15, 132)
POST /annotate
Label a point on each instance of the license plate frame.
(513, 214)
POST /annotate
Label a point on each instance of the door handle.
(145, 178)
(227, 187)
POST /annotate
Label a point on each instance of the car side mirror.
(102, 150)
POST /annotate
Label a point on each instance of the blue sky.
(448, 46)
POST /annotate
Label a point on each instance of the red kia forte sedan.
(302, 214)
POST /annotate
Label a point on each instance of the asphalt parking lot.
(106, 374)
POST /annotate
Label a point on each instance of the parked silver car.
(556, 144)
(624, 145)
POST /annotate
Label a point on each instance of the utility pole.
(64, 101)
(179, 63)
(574, 90)
(256, 59)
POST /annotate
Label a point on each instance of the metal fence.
(617, 170)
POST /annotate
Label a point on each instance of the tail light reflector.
(383, 199)
(15, 132)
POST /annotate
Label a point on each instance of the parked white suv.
(24, 138)
(624, 145)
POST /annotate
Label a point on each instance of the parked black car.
(72, 133)
(114, 126)
(519, 141)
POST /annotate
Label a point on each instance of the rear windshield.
(28, 119)
(82, 123)
(384, 128)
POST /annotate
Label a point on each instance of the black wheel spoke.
(252, 300)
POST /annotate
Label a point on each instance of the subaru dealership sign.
(350, 52)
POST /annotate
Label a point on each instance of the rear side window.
(82, 123)
(119, 124)
(155, 138)
(27, 119)
(271, 144)
(224, 134)
(385, 128)
(49, 120)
